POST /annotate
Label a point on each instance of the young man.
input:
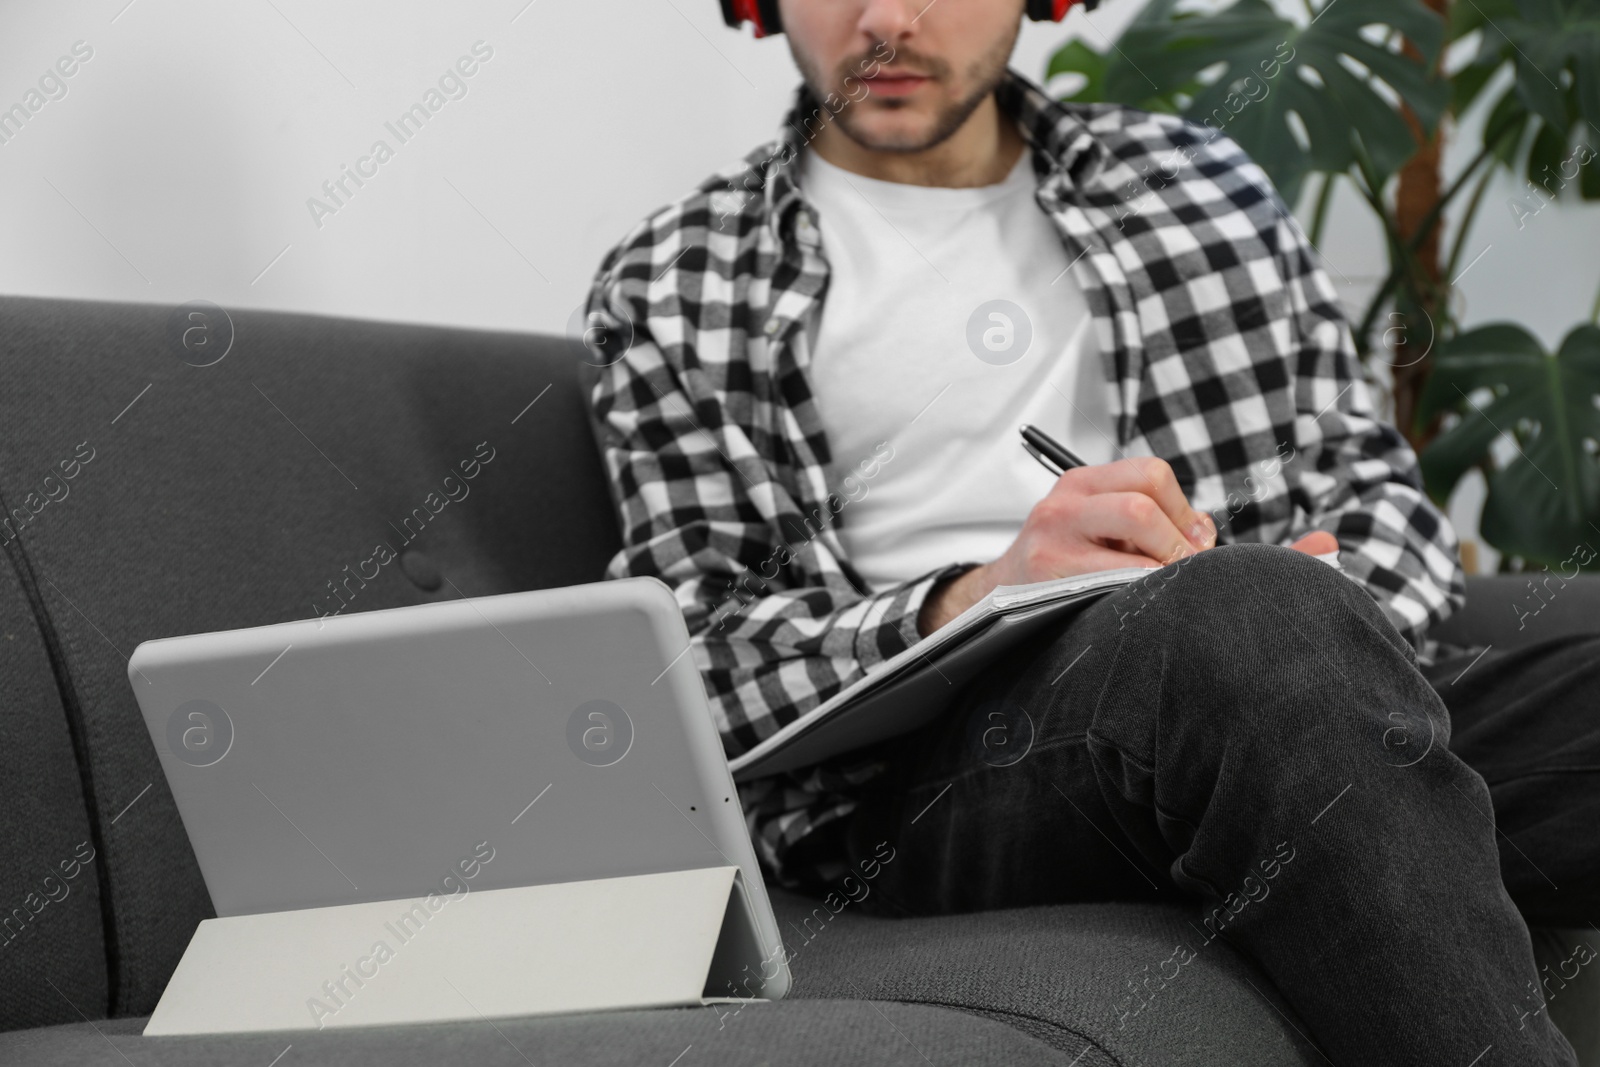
(815, 366)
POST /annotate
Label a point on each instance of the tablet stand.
(653, 940)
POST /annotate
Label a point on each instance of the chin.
(888, 131)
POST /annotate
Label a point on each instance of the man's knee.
(1224, 586)
(1263, 566)
(1251, 610)
(1251, 634)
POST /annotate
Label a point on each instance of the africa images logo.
(599, 733)
(199, 733)
(199, 332)
(999, 332)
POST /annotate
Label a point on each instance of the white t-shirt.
(912, 351)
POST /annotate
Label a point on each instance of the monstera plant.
(1540, 505)
(1365, 92)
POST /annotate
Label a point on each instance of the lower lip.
(895, 86)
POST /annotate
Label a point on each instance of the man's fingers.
(1317, 543)
(1135, 521)
(1111, 560)
(1153, 477)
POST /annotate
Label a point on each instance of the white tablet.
(525, 739)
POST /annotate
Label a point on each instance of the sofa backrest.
(146, 496)
(1510, 611)
(52, 943)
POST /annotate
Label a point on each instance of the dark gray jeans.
(1251, 724)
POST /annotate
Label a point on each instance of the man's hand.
(1130, 513)
(1317, 543)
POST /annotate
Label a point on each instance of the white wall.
(179, 163)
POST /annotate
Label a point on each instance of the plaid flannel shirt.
(1227, 353)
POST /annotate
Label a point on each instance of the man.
(814, 369)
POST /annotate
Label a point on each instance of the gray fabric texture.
(1572, 999)
(50, 920)
(1515, 610)
(1054, 972)
(787, 1034)
(233, 495)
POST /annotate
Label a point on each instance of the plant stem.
(1594, 313)
(1485, 154)
(1466, 222)
(1320, 218)
(1403, 253)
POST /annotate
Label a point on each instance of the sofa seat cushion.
(798, 1033)
(1060, 973)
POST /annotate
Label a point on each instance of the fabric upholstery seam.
(77, 730)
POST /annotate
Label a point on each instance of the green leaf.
(1545, 156)
(1540, 504)
(1245, 70)
(1076, 57)
(1554, 42)
(1554, 49)
(1589, 176)
(1470, 81)
(1585, 48)
(1493, 51)
(1469, 16)
(1509, 119)
(1539, 63)
(1471, 360)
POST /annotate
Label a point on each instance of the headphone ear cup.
(763, 14)
(1056, 10)
(771, 21)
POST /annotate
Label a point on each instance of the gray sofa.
(235, 494)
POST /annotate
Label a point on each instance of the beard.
(984, 74)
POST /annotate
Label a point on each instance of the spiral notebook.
(912, 688)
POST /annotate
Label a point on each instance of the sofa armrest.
(1514, 610)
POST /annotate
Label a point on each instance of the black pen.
(1055, 456)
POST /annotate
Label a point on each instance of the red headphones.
(763, 14)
